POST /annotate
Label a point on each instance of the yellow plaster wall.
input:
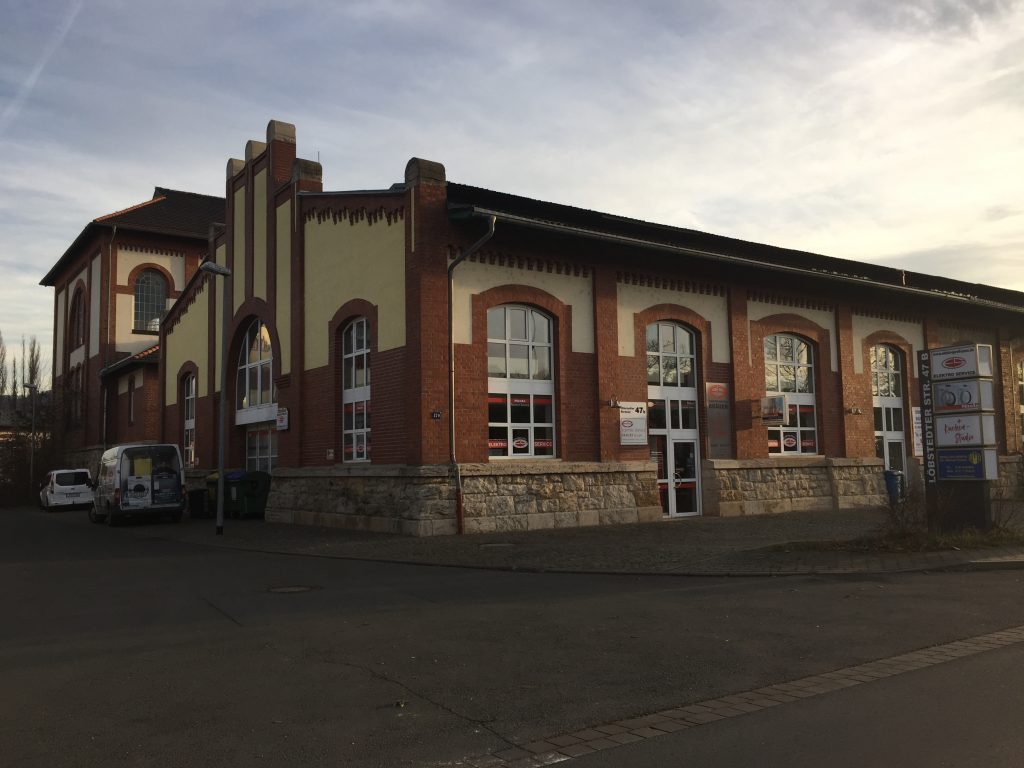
(259, 242)
(283, 314)
(865, 326)
(187, 341)
(238, 250)
(353, 261)
(125, 340)
(128, 259)
(636, 298)
(473, 278)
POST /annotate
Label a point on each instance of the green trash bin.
(234, 503)
(255, 488)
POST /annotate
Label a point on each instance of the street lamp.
(214, 268)
(32, 446)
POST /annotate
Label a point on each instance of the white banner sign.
(963, 396)
(965, 430)
(964, 362)
(633, 423)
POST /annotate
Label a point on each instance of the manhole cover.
(292, 588)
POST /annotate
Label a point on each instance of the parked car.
(66, 489)
(139, 480)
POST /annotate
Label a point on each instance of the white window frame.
(789, 365)
(261, 452)
(255, 364)
(888, 406)
(355, 391)
(151, 291)
(508, 435)
(189, 410)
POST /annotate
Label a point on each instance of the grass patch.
(911, 541)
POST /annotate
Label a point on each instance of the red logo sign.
(717, 392)
(789, 442)
(627, 423)
(520, 443)
(954, 362)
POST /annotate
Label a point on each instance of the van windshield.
(71, 478)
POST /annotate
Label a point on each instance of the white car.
(66, 489)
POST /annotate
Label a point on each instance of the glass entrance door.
(674, 446)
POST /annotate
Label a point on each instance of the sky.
(889, 131)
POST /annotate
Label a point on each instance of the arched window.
(887, 402)
(256, 398)
(355, 390)
(188, 401)
(789, 371)
(76, 321)
(150, 300)
(255, 369)
(520, 383)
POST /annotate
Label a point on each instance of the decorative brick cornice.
(530, 263)
(670, 283)
(879, 314)
(149, 249)
(790, 301)
(371, 216)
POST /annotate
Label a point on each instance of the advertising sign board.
(773, 410)
(965, 430)
(719, 420)
(964, 396)
(963, 362)
(968, 464)
(632, 423)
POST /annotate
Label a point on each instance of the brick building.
(558, 317)
(112, 287)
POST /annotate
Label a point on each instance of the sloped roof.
(149, 356)
(467, 200)
(169, 212)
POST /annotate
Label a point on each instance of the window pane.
(360, 370)
(542, 411)
(896, 456)
(541, 328)
(359, 416)
(666, 336)
(883, 385)
(265, 383)
(774, 441)
(803, 352)
(349, 374)
(895, 386)
(349, 416)
(878, 420)
(497, 409)
(254, 345)
(790, 442)
(787, 378)
(686, 372)
(360, 342)
(254, 382)
(241, 390)
(806, 415)
(673, 411)
(520, 409)
(497, 441)
(771, 348)
(669, 372)
(518, 361)
(520, 442)
(517, 324)
(541, 363)
(804, 379)
(656, 415)
(771, 378)
(874, 385)
(808, 442)
(496, 323)
(653, 370)
(879, 448)
(347, 336)
(265, 353)
(496, 360)
(683, 341)
(786, 351)
(543, 441)
(652, 338)
(688, 411)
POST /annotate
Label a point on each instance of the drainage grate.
(292, 589)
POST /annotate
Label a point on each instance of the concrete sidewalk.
(746, 546)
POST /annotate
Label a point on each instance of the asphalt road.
(120, 647)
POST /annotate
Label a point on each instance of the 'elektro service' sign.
(963, 362)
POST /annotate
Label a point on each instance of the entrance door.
(673, 432)
(887, 401)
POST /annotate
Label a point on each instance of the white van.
(139, 480)
(66, 489)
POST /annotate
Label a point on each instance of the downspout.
(459, 507)
(106, 346)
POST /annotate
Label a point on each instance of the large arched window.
(76, 321)
(887, 402)
(355, 390)
(789, 371)
(520, 383)
(188, 400)
(256, 398)
(150, 300)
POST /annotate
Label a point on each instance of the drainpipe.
(106, 346)
(459, 508)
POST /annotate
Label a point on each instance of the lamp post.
(32, 445)
(214, 268)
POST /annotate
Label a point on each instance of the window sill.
(145, 333)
